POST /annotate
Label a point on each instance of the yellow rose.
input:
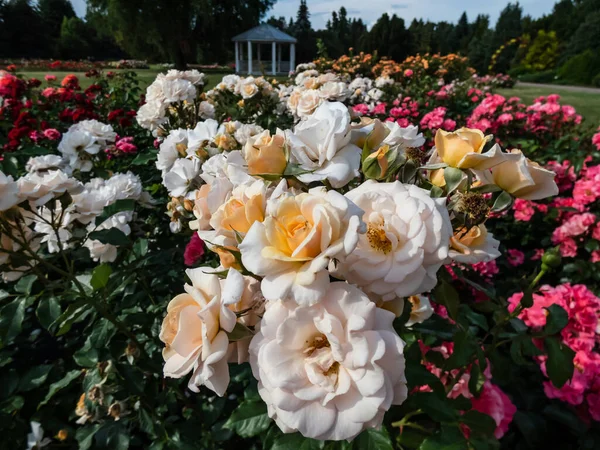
(265, 154)
(455, 148)
(238, 215)
(463, 241)
(521, 177)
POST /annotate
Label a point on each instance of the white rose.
(179, 90)
(230, 165)
(151, 115)
(406, 242)
(46, 224)
(182, 177)
(201, 136)
(383, 81)
(300, 234)
(329, 370)
(334, 90)
(196, 326)
(91, 201)
(206, 110)
(321, 145)
(38, 188)
(103, 133)
(125, 186)
(374, 94)
(308, 102)
(246, 131)
(77, 146)
(9, 192)
(406, 137)
(473, 246)
(47, 162)
(108, 252)
(171, 149)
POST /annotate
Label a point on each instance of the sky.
(370, 10)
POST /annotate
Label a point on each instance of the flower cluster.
(322, 231)
(580, 334)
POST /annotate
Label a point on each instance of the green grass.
(146, 76)
(586, 103)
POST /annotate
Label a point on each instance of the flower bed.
(338, 257)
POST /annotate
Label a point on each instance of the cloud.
(399, 5)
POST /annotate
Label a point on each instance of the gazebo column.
(274, 58)
(237, 57)
(249, 57)
(279, 57)
(292, 57)
(259, 57)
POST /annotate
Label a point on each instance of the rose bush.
(366, 277)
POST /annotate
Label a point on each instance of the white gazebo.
(260, 37)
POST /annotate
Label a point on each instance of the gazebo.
(262, 36)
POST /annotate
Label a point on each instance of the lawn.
(586, 103)
(146, 76)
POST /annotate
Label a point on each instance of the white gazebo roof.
(264, 33)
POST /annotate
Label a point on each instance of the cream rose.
(521, 177)
(473, 245)
(266, 154)
(421, 310)
(235, 215)
(208, 199)
(321, 145)
(300, 235)
(406, 242)
(308, 102)
(329, 370)
(196, 326)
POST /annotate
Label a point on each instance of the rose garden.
(365, 254)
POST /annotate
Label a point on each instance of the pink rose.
(52, 134)
(497, 405)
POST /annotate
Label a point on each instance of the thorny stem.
(71, 277)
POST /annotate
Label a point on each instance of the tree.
(480, 48)
(462, 35)
(302, 30)
(172, 30)
(22, 31)
(73, 42)
(542, 52)
(508, 27)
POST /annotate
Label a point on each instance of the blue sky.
(370, 10)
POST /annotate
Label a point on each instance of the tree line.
(565, 42)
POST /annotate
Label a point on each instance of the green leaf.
(35, 150)
(12, 404)
(372, 439)
(114, 208)
(453, 178)
(448, 438)
(86, 356)
(59, 385)
(145, 157)
(146, 422)
(291, 170)
(85, 436)
(559, 365)
(436, 407)
(113, 436)
(239, 332)
(418, 375)
(48, 311)
(249, 419)
(465, 346)
(25, 284)
(295, 441)
(34, 377)
(11, 319)
(100, 276)
(434, 166)
(478, 421)
(446, 295)
(504, 201)
(556, 320)
(112, 236)
(74, 312)
(102, 333)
